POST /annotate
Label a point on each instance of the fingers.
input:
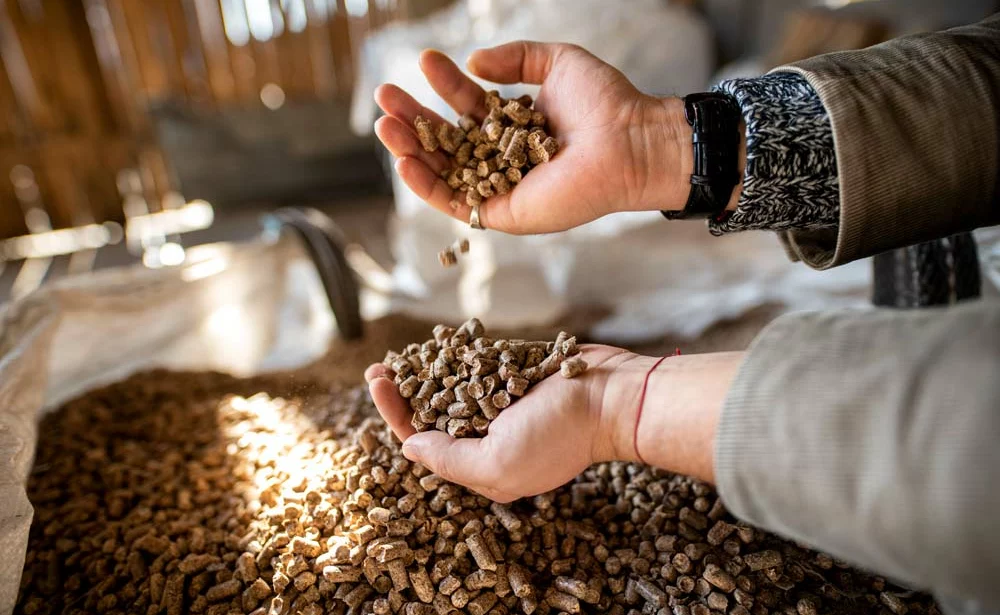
(494, 213)
(496, 495)
(377, 370)
(460, 460)
(397, 103)
(426, 184)
(461, 93)
(393, 408)
(517, 62)
(402, 141)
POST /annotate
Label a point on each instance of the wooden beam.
(14, 52)
(215, 48)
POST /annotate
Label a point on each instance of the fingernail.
(411, 451)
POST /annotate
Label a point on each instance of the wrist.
(619, 404)
(667, 155)
(741, 167)
(681, 410)
(669, 171)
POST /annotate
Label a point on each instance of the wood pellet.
(491, 157)
(449, 256)
(461, 380)
(173, 493)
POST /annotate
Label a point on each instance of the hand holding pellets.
(490, 158)
(461, 380)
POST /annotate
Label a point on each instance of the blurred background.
(131, 130)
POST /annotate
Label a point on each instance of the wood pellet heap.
(461, 380)
(172, 493)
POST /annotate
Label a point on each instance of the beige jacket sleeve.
(916, 128)
(875, 435)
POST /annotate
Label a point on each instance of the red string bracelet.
(642, 400)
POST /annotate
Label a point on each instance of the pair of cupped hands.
(620, 150)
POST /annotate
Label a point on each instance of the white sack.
(234, 308)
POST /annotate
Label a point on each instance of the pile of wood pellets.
(172, 493)
(460, 380)
(491, 157)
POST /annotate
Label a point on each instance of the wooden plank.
(320, 53)
(268, 70)
(295, 63)
(185, 51)
(62, 144)
(242, 60)
(56, 178)
(16, 51)
(31, 191)
(94, 162)
(155, 182)
(342, 47)
(154, 77)
(115, 58)
(283, 54)
(11, 218)
(266, 63)
(12, 124)
(105, 200)
(168, 50)
(73, 70)
(215, 48)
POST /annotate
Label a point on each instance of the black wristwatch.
(715, 119)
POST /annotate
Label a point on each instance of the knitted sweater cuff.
(790, 180)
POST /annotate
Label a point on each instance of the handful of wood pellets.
(461, 380)
(491, 157)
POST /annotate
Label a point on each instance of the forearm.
(872, 436)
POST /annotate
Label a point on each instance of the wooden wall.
(77, 78)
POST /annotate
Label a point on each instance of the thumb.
(517, 62)
(459, 460)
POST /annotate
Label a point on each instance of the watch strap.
(714, 119)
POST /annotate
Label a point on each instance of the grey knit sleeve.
(790, 180)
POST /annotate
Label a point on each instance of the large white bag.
(241, 309)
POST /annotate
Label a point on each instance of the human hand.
(561, 426)
(620, 150)
(540, 442)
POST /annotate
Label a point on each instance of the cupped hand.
(620, 150)
(540, 442)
